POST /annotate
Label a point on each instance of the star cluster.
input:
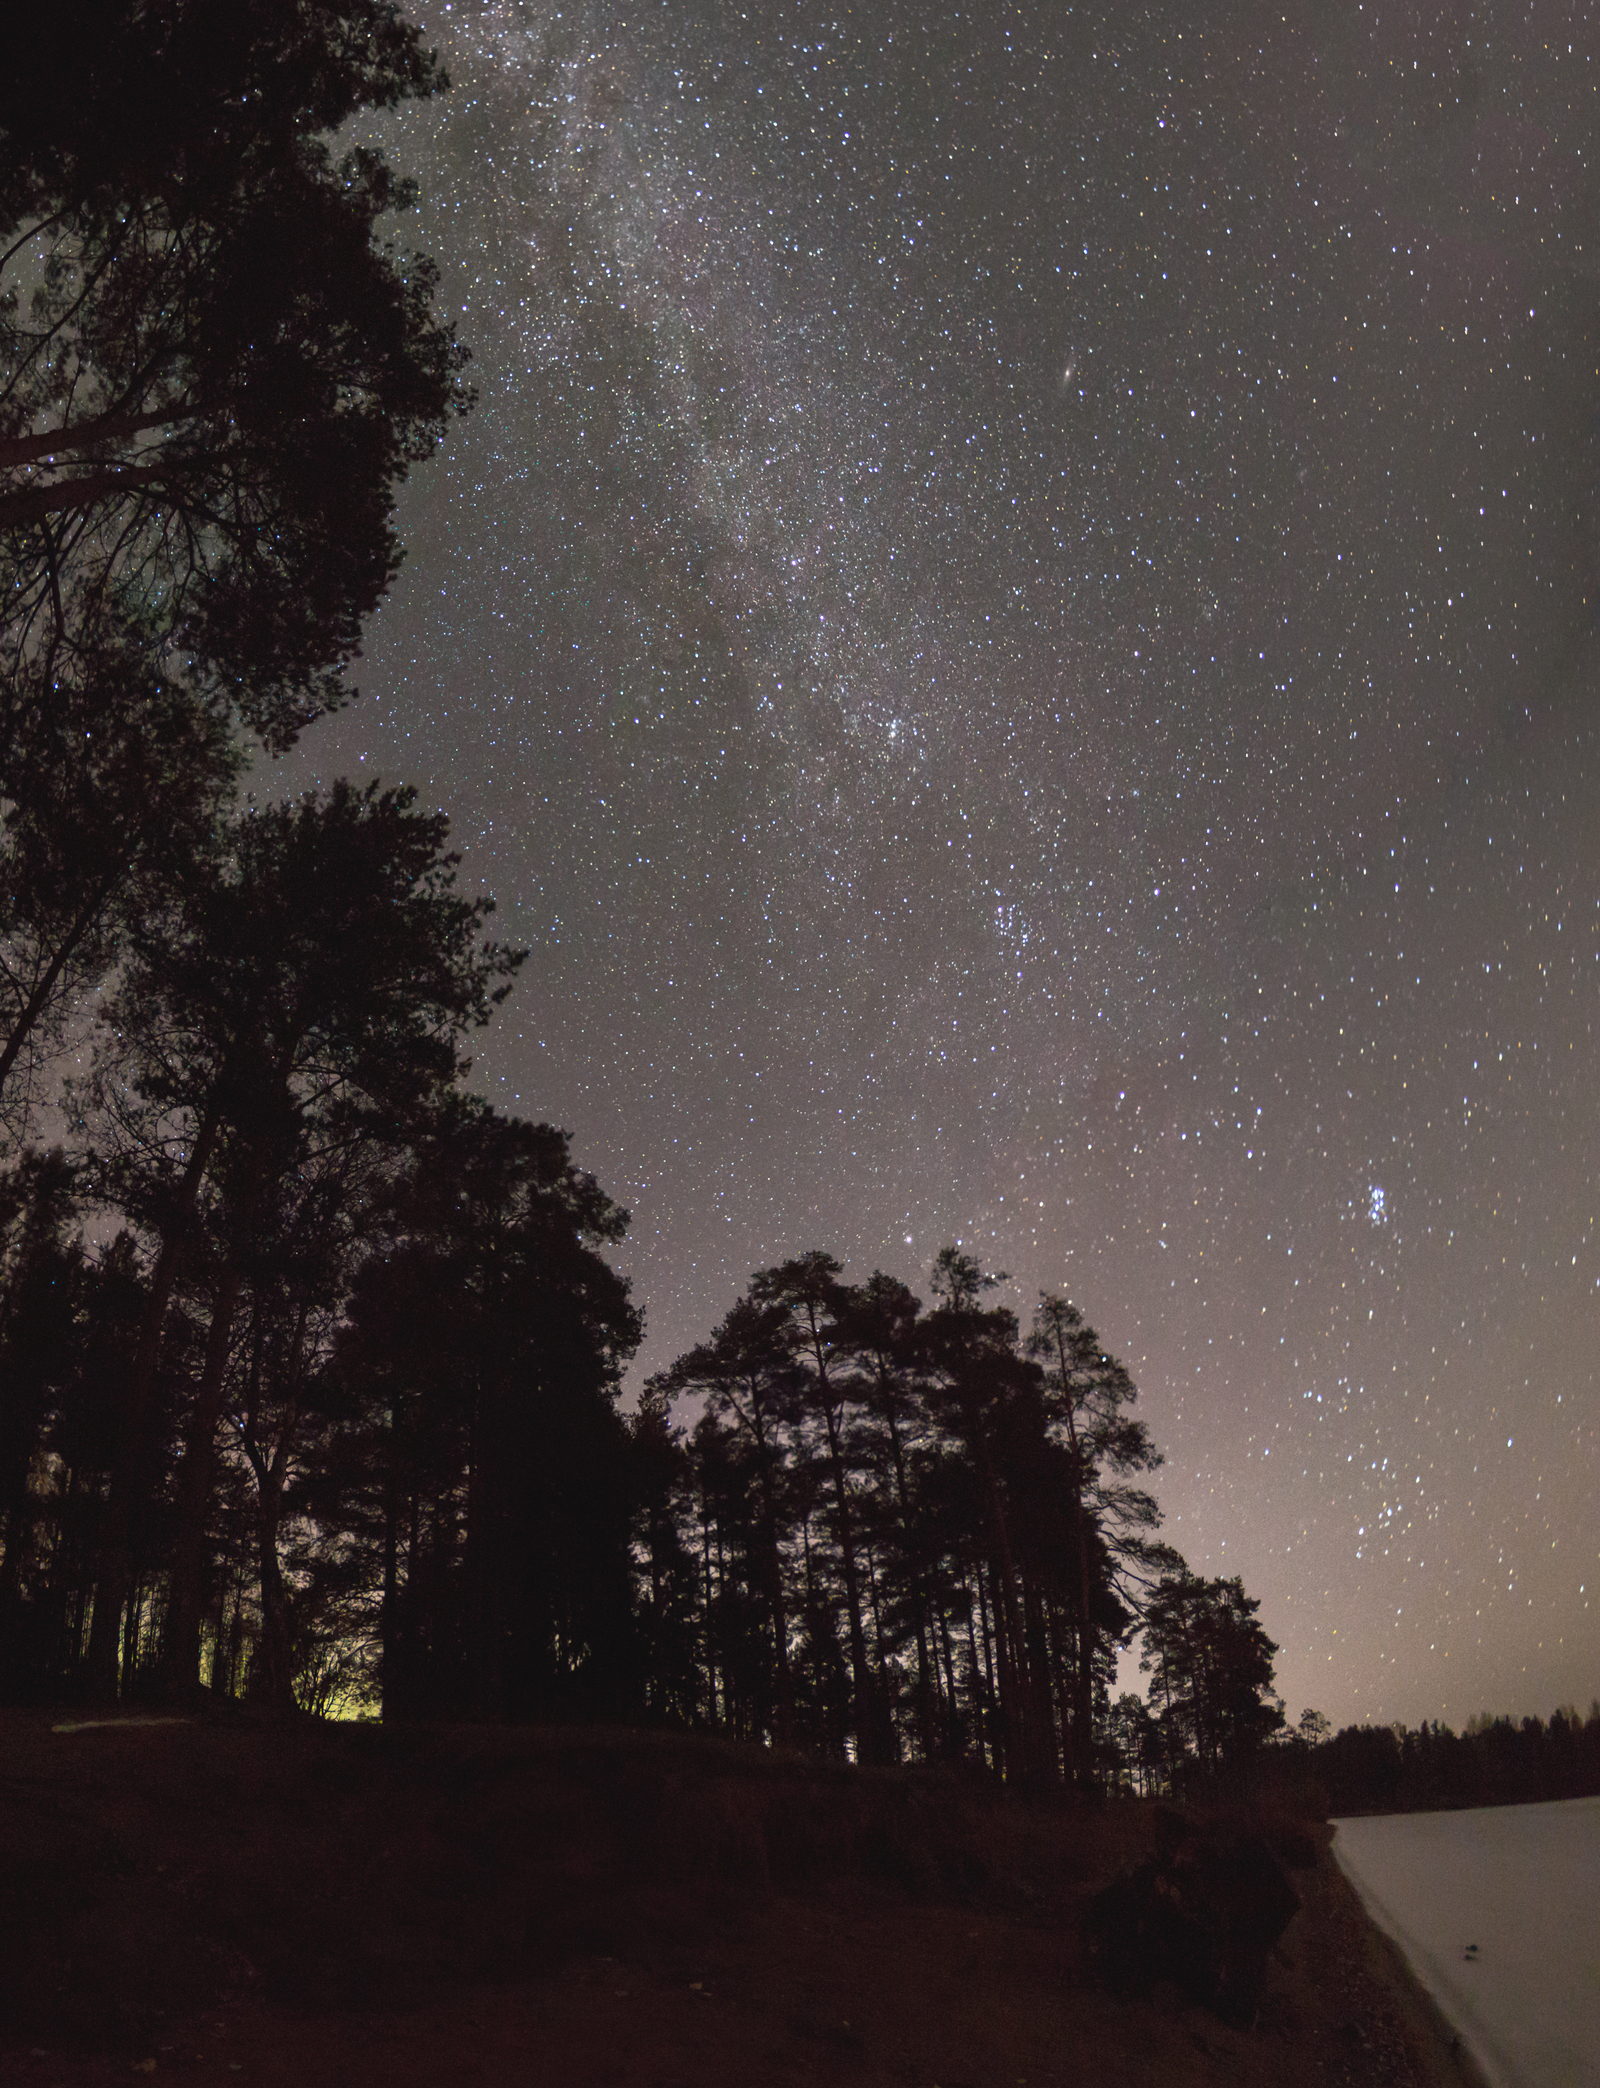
(1015, 629)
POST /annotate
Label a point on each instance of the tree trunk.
(772, 1568)
(180, 1651)
(1082, 1742)
(780, 1638)
(710, 1616)
(982, 1678)
(1048, 1749)
(389, 1671)
(950, 1706)
(1008, 1621)
(486, 1680)
(867, 1745)
(860, 1672)
(129, 1473)
(927, 1680)
(1083, 1678)
(273, 1678)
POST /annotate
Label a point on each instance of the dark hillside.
(350, 1904)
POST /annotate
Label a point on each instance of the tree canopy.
(111, 789)
(213, 371)
(216, 366)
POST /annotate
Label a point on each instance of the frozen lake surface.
(1522, 1884)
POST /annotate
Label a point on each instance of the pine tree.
(213, 373)
(311, 997)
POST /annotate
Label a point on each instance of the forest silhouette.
(311, 1362)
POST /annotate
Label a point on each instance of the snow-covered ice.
(1498, 1914)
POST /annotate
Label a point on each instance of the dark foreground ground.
(348, 1905)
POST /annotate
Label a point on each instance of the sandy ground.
(1495, 1911)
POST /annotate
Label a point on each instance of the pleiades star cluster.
(1015, 628)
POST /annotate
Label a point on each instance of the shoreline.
(1449, 2043)
(1488, 1907)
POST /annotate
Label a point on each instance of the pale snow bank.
(1522, 1882)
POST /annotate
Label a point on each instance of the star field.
(1015, 628)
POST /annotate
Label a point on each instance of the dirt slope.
(491, 1909)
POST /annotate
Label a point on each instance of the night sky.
(1015, 629)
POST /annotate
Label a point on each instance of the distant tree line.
(311, 1362)
(1495, 1761)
